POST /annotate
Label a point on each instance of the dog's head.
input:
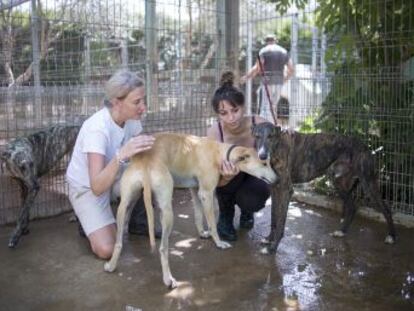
(265, 134)
(18, 161)
(247, 160)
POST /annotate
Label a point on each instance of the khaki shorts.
(94, 212)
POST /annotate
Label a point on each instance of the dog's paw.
(265, 251)
(389, 239)
(171, 283)
(108, 267)
(265, 241)
(223, 244)
(205, 234)
(338, 234)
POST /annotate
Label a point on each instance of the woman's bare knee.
(102, 241)
(103, 251)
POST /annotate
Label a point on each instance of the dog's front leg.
(281, 194)
(198, 215)
(207, 199)
(29, 193)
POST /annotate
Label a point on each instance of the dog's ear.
(276, 130)
(242, 157)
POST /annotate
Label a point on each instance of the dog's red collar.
(229, 151)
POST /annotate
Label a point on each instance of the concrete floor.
(53, 269)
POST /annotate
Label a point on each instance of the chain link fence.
(354, 72)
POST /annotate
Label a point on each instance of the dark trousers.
(248, 192)
(139, 215)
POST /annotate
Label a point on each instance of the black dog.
(29, 158)
(299, 158)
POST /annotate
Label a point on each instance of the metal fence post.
(150, 45)
(294, 104)
(36, 65)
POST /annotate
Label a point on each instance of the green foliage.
(307, 126)
(372, 32)
(283, 5)
(369, 97)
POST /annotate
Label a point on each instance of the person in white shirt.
(105, 142)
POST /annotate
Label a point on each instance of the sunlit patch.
(291, 303)
(184, 290)
(300, 288)
(312, 212)
(298, 236)
(295, 212)
(177, 253)
(185, 216)
(185, 243)
(259, 214)
(408, 287)
(203, 302)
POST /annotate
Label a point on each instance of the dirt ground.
(53, 269)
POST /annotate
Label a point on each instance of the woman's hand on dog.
(136, 145)
(227, 171)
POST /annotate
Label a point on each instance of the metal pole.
(221, 30)
(124, 52)
(249, 64)
(36, 64)
(150, 20)
(293, 101)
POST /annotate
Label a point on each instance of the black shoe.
(138, 223)
(81, 232)
(143, 230)
(225, 228)
(246, 220)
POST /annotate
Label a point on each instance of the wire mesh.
(354, 77)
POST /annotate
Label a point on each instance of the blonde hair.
(121, 84)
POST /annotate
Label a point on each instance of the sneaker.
(246, 220)
(225, 229)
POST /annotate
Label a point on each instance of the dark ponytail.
(227, 91)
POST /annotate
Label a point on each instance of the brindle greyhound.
(28, 158)
(299, 158)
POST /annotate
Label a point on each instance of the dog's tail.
(149, 208)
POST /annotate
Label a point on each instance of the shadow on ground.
(53, 269)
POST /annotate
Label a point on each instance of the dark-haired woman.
(234, 127)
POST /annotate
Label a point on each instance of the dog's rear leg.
(163, 193)
(29, 193)
(207, 198)
(373, 191)
(130, 189)
(110, 265)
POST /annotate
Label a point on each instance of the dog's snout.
(262, 153)
(263, 156)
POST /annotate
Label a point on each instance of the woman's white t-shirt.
(98, 134)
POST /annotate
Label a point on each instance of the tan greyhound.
(184, 156)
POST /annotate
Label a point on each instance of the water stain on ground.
(53, 269)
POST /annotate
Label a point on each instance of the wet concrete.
(53, 269)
